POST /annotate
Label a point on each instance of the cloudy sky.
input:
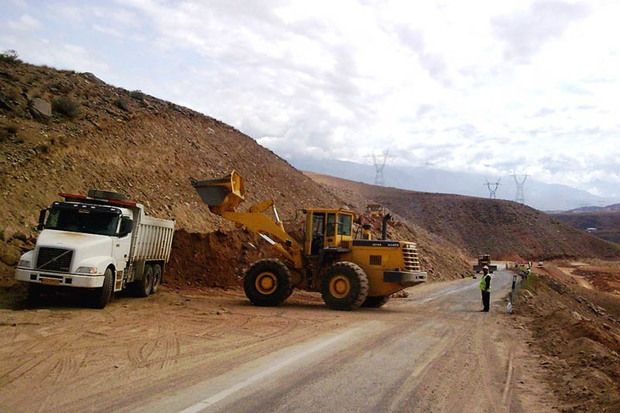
(480, 86)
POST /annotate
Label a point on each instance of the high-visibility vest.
(483, 283)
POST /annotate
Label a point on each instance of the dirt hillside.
(605, 221)
(505, 229)
(67, 131)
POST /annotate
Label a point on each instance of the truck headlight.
(87, 270)
(24, 263)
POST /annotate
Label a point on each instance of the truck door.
(120, 252)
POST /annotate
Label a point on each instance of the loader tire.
(267, 283)
(376, 301)
(101, 296)
(344, 286)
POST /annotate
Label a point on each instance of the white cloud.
(26, 23)
(482, 86)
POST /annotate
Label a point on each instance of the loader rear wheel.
(267, 283)
(344, 286)
(376, 301)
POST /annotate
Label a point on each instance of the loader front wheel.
(267, 283)
(376, 301)
(344, 286)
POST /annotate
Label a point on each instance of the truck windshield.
(82, 220)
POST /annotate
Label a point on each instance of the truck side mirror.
(42, 215)
(126, 226)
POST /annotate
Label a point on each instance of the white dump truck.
(100, 242)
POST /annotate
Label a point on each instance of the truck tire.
(376, 301)
(143, 287)
(34, 293)
(101, 296)
(344, 286)
(115, 196)
(156, 278)
(267, 283)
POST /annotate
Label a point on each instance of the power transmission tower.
(520, 181)
(492, 187)
(380, 161)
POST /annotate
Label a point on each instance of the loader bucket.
(223, 194)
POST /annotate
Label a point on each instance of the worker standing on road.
(485, 287)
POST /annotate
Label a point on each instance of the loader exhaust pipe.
(386, 218)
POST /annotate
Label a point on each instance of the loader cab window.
(318, 231)
(344, 224)
(331, 225)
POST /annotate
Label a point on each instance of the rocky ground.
(575, 328)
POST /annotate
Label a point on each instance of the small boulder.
(41, 108)
(10, 255)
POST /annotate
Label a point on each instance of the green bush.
(137, 95)
(9, 56)
(66, 107)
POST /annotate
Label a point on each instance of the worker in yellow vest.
(485, 287)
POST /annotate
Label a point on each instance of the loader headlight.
(87, 270)
(24, 264)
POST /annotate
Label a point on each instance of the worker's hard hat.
(485, 268)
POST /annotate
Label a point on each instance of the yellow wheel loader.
(348, 272)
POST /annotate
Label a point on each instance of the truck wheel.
(344, 286)
(156, 278)
(376, 302)
(34, 293)
(102, 295)
(143, 287)
(267, 283)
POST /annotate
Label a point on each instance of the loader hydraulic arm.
(224, 195)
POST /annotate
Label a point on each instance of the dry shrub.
(66, 107)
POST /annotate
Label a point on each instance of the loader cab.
(327, 228)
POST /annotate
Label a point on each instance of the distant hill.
(544, 197)
(504, 229)
(601, 222)
(608, 208)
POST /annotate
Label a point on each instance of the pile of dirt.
(578, 332)
(217, 259)
(504, 229)
(98, 136)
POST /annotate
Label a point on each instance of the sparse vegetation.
(137, 95)
(10, 56)
(123, 103)
(66, 107)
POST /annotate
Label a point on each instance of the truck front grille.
(410, 256)
(54, 259)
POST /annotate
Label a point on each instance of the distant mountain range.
(539, 195)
